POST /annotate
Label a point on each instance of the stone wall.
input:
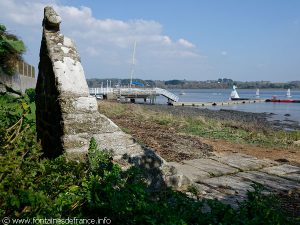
(22, 80)
(67, 117)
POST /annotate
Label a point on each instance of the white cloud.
(185, 43)
(224, 53)
(109, 40)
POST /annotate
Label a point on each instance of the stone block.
(281, 169)
(270, 181)
(93, 123)
(85, 104)
(211, 167)
(231, 185)
(242, 162)
(192, 173)
(285, 171)
(69, 77)
(121, 143)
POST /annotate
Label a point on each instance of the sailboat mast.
(133, 63)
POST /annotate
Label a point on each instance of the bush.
(33, 186)
(30, 92)
(11, 50)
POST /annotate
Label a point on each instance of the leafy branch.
(11, 50)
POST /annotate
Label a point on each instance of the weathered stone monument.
(67, 117)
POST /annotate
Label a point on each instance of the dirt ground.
(291, 156)
(174, 146)
(164, 139)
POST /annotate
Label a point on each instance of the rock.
(287, 114)
(51, 19)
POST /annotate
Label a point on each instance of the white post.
(106, 86)
(133, 62)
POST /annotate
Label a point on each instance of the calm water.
(211, 95)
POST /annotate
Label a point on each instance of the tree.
(11, 50)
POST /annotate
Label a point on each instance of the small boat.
(182, 93)
(288, 93)
(257, 93)
(283, 100)
(234, 96)
(274, 99)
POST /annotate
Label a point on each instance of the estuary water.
(278, 111)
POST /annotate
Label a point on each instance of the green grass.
(230, 131)
(233, 131)
(165, 119)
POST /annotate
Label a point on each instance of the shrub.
(30, 92)
(33, 186)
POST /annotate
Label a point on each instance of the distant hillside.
(170, 84)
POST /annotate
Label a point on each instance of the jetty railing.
(137, 92)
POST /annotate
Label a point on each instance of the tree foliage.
(11, 50)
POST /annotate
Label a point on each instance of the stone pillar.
(61, 89)
(67, 117)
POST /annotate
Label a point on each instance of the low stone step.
(271, 181)
(195, 175)
(229, 185)
(285, 171)
(211, 167)
(243, 162)
(281, 169)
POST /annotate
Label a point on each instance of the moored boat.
(274, 99)
(234, 96)
(288, 93)
(257, 93)
(283, 100)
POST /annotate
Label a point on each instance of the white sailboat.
(234, 94)
(257, 93)
(288, 93)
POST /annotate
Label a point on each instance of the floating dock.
(199, 104)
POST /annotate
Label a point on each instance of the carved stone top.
(51, 19)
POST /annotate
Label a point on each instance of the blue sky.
(193, 39)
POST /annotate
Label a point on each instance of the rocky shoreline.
(259, 120)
